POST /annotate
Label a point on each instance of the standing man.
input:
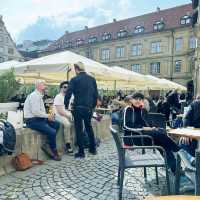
(84, 89)
(63, 116)
(37, 119)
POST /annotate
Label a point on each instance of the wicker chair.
(146, 159)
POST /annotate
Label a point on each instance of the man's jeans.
(45, 127)
(84, 115)
(190, 148)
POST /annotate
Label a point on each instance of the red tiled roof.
(171, 18)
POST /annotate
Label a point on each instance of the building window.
(155, 68)
(1, 59)
(179, 44)
(192, 42)
(105, 54)
(155, 47)
(185, 20)
(120, 52)
(136, 68)
(178, 66)
(1, 39)
(122, 33)
(7, 39)
(137, 49)
(1, 29)
(106, 36)
(92, 39)
(158, 26)
(10, 58)
(79, 42)
(10, 50)
(139, 29)
(67, 44)
(1, 49)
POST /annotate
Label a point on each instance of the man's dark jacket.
(192, 117)
(84, 89)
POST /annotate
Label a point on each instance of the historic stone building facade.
(161, 43)
(8, 49)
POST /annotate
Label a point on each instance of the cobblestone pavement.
(91, 178)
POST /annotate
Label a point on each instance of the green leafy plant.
(8, 86)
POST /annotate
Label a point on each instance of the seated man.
(62, 115)
(133, 120)
(37, 119)
(192, 118)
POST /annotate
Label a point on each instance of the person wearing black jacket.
(84, 89)
(133, 120)
(192, 118)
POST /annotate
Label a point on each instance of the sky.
(49, 19)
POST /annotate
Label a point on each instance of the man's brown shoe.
(56, 156)
(46, 148)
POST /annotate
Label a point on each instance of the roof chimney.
(158, 9)
(1, 17)
(66, 32)
(86, 27)
(114, 20)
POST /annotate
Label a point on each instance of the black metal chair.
(146, 159)
(192, 173)
(156, 119)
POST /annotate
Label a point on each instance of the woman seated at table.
(133, 119)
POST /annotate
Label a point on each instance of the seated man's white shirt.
(59, 101)
(34, 106)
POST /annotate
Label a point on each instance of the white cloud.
(22, 17)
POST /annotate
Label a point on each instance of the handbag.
(22, 162)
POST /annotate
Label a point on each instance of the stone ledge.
(30, 142)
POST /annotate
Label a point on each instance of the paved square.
(92, 178)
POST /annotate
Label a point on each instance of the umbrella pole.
(68, 70)
(115, 85)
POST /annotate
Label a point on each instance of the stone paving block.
(29, 143)
(103, 131)
(8, 167)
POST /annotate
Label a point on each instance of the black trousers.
(84, 115)
(160, 139)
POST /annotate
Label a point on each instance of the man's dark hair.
(138, 95)
(64, 83)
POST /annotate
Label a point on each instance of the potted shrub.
(8, 89)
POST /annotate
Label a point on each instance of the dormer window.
(106, 36)
(139, 29)
(158, 26)
(67, 44)
(92, 39)
(122, 33)
(79, 42)
(185, 20)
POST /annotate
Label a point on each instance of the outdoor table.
(103, 110)
(180, 115)
(177, 197)
(193, 133)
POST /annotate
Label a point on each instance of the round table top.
(178, 197)
(185, 132)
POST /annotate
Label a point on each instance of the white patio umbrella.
(54, 67)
